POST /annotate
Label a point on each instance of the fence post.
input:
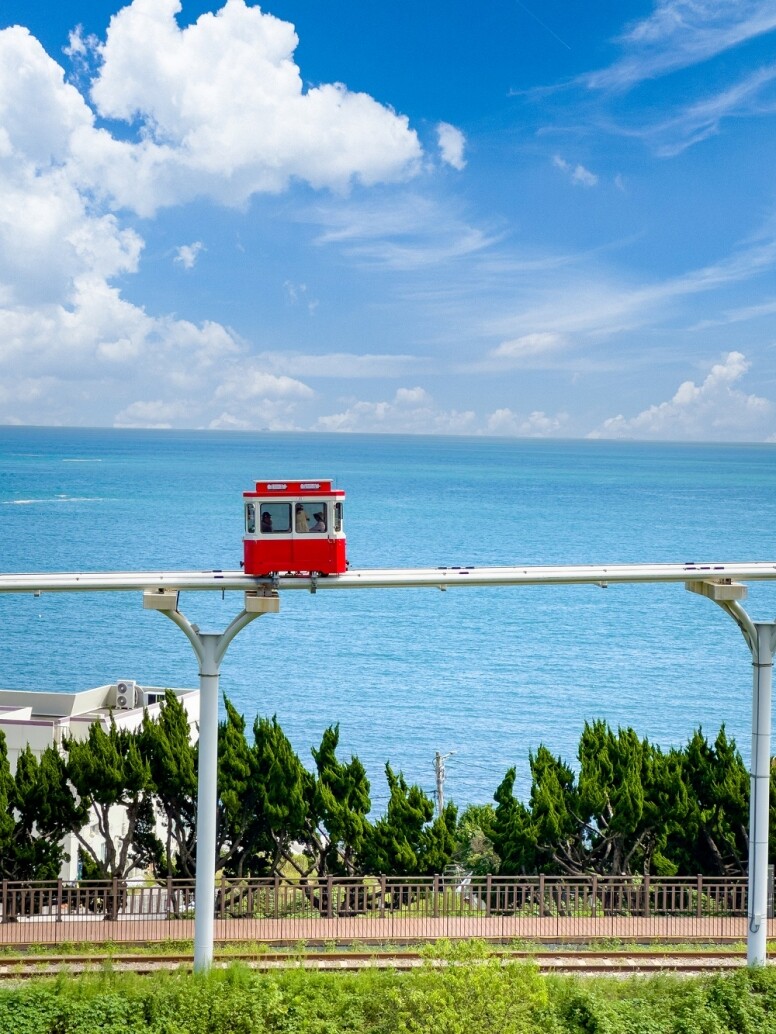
(223, 892)
(541, 895)
(699, 896)
(594, 891)
(59, 900)
(646, 896)
(329, 897)
(115, 893)
(488, 891)
(435, 899)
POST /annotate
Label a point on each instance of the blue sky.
(516, 220)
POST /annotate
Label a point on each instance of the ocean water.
(484, 675)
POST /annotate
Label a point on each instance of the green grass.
(232, 948)
(477, 994)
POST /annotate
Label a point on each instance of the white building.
(45, 719)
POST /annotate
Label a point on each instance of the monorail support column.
(760, 637)
(210, 648)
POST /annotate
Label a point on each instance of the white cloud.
(528, 346)
(220, 110)
(187, 254)
(587, 304)
(536, 425)
(296, 294)
(340, 365)
(263, 415)
(158, 414)
(411, 411)
(408, 233)
(452, 144)
(751, 96)
(247, 381)
(714, 409)
(217, 109)
(682, 33)
(578, 174)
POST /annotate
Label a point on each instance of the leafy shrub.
(459, 989)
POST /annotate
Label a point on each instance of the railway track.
(583, 963)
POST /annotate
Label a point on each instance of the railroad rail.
(584, 963)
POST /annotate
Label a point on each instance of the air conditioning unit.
(126, 694)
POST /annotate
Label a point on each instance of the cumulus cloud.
(411, 411)
(536, 425)
(248, 381)
(187, 254)
(151, 414)
(452, 144)
(263, 415)
(578, 174)
(217, 109)
(714, 409)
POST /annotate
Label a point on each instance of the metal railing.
(539, 907)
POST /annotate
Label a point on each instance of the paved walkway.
(45, 929)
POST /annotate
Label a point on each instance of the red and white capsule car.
(294, 526)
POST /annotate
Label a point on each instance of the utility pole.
(439, 768)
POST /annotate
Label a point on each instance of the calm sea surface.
(484, 674)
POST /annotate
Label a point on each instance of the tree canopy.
(624, 807)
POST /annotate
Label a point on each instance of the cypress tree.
(400, 842)
(514, 834)
(107, 771)
(46, 810)
(165, 743)
(714, 838)
(338, 808)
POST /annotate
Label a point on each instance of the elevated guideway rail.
(723, 583)
(387, 578)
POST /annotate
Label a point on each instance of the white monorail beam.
(387, 578)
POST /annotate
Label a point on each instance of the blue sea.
(484, 675)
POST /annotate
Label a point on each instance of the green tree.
(165, 743)
(107, 772)
(279, 791)
(337, 816)
(7, 821)
(614, 818)
(407, 841)
(514, 839)
(474, 840)
(45, 811)
(236, 800)
(631, 798)
(714, 838)
(557, 822)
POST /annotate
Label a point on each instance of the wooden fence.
(381, 908)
